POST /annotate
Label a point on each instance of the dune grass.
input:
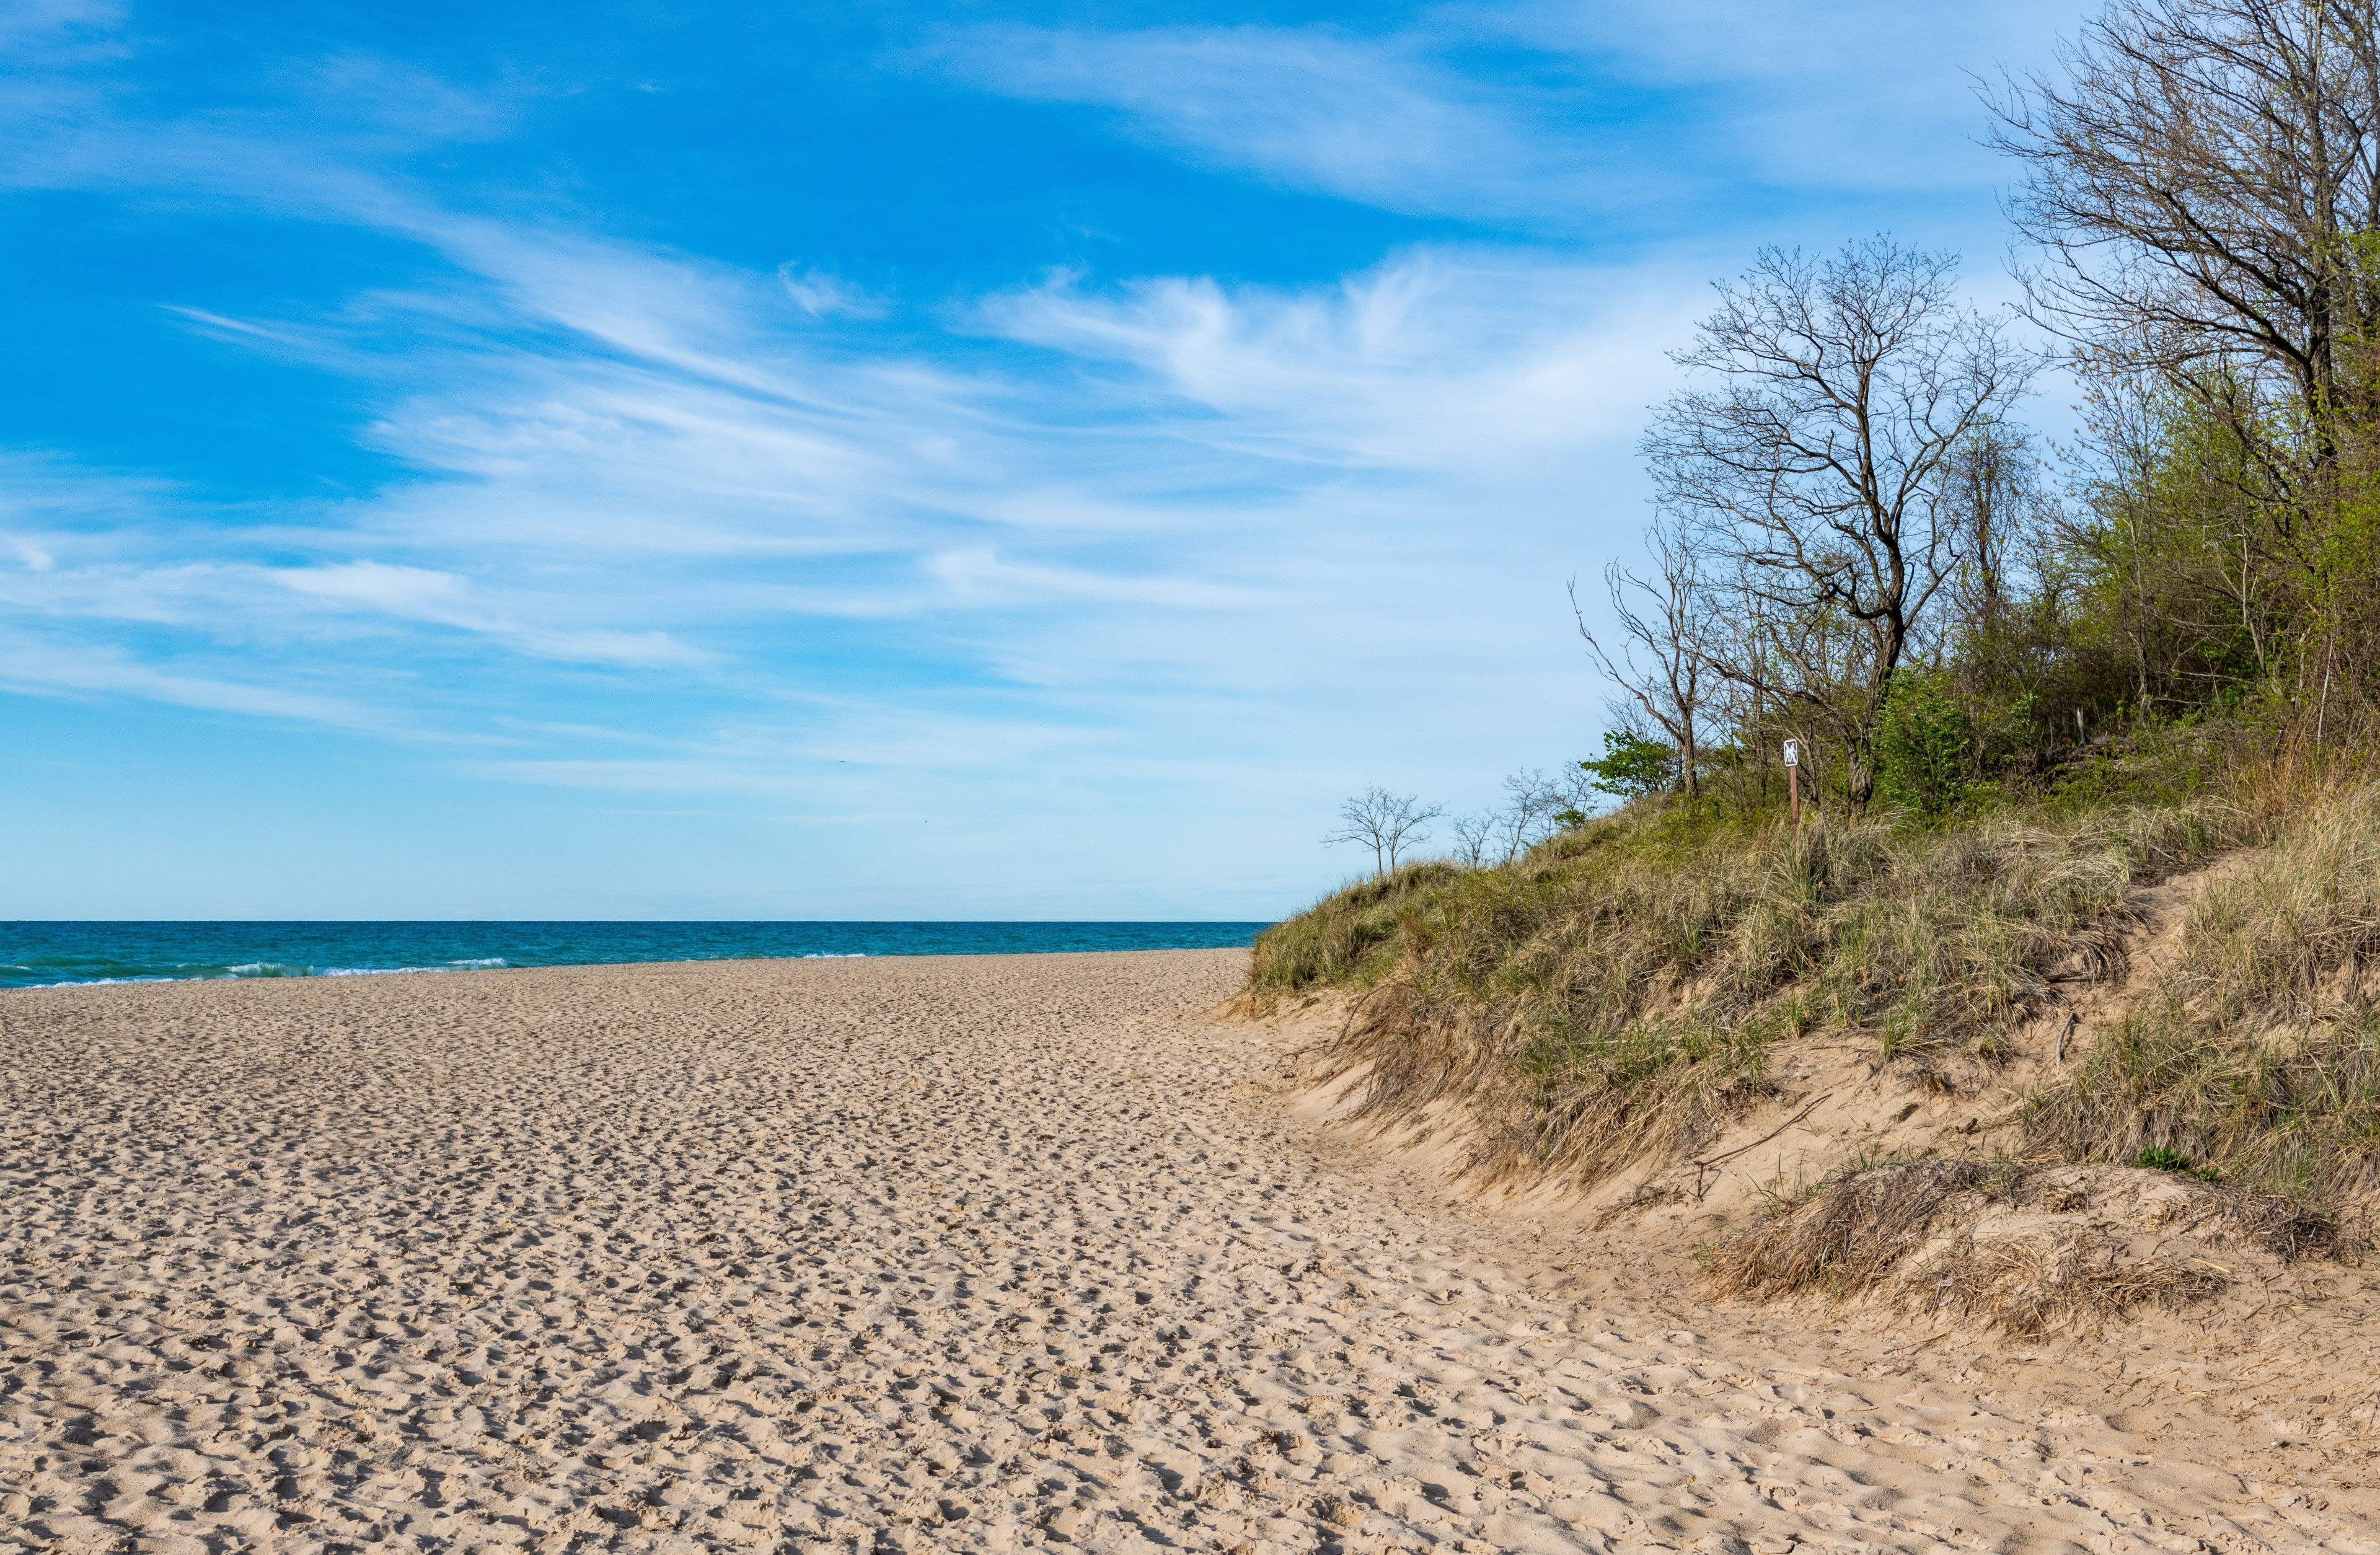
(2256, 1055)
(1616, 992)
(1907, 1227)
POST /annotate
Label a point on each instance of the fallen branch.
(1701, 1167)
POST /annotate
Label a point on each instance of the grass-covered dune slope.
(1627, 992)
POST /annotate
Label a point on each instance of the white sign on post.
(1792, 753)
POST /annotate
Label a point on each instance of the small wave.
(396, 970)
(249, 970)
(108, 982)
(832, 956)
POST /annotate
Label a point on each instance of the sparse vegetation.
(1627, 991)
(2022, 1247)
(2256, 1053)
(1614, 994)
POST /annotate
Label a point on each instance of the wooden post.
(1794, 778)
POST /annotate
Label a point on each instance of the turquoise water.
(37, 954)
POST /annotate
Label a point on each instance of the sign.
(1792, 753)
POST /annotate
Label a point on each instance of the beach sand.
(923, 1254)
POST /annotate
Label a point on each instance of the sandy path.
(933, 1254)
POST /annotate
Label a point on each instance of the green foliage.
(2161, 1158)
(1631, 766)
(1924, 746)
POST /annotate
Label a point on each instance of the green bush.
(1924, 745)
(1631, 766)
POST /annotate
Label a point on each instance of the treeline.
(1856, 545)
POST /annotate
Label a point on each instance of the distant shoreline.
(91, 953)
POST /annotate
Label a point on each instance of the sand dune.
(931, 1254)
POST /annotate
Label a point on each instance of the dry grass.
(1614, 995)
(1615, 998)
(1908, 1232)
(1347, 939)
(2256, 1053)
(1839, 1240)
(2068, 1278)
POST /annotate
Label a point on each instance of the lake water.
(35, 954)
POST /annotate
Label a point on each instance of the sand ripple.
(945, 1254)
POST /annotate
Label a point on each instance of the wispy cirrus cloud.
(1372, 119)
(1112, 512)
(30, 663)
(1446, 360)
(1611, 118)
(692, 478)
(1866, 97)
(443, 598)
(49, 25)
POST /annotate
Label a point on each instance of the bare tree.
(1992, 506)
(1528, 816)
(2204, 183)
(1816, 463)
(1385, 822)
(1473, 836)
(1671, 630)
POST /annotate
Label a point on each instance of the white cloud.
(1177, 509)
(1148, 529)
(1375, 120)
(28, 663)
(1625, 114)
(823, 294)
(1470, 363)
(1879, 43)
(979, 577)
(416, 591)
(31, 25)
(1855, 96)
(375, 92)
(442, 599)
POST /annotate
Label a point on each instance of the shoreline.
(100, 953)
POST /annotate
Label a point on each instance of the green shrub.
(1924, 747)
(1631, 766)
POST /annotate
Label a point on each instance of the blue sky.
(628, 460)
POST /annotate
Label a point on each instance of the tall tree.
(1992, 502)
(1816, 460)
(2203, 184)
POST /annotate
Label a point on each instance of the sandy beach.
(951, 1254)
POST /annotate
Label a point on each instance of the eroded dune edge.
(975, 1253)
